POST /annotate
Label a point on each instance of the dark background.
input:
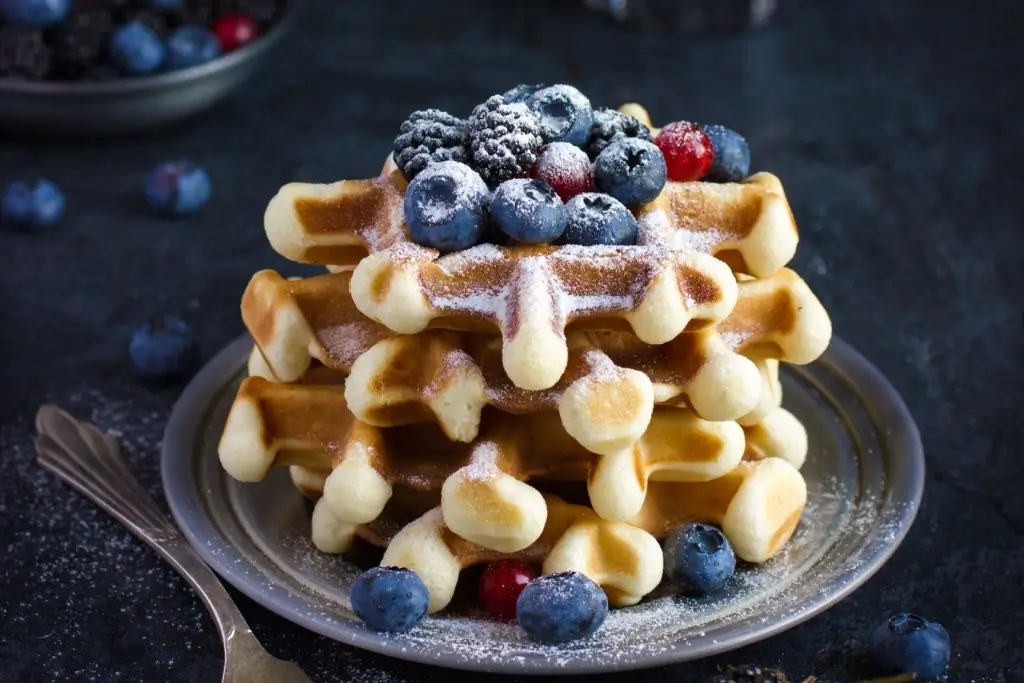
(896, 128)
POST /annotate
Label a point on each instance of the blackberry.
(23, 53)
(750, 674)
(80, 41)
(428, 136)
(504, 140)
(609, 126)
(263, 12)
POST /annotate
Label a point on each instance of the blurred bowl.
(102, 108)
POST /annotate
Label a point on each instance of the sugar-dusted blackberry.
(263, 12)
(429, 136)
(23, 53)
(80, 41)
(750, 674)
(504, 140)
(609, 126)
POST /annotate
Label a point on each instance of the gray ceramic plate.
(865, 474)
(83, 109)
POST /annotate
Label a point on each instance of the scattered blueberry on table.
(93, 40)
(561, 607)
(163, 348)
(178, 187)
(31, 206)
(389, 599)
(699, 558)
(909, 644)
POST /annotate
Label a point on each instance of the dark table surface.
(895, 126)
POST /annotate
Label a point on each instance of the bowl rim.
(265, 42)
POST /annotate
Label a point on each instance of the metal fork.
(91, 462)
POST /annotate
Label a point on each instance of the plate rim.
(905, 484)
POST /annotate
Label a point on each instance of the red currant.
(688, 151)
(566, 168)
(235, 30)
(500, 586)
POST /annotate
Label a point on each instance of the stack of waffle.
(449, 407)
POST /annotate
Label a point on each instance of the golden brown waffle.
(450, 377)
(624, 560)
(531, 294)
(757, 505)
(296, 321)
(484, 495)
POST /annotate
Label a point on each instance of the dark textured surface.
(895, 127)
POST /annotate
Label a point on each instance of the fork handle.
(91, 462)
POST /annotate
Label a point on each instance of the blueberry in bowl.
(107, 67)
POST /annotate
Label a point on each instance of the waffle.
(758, 506)
(483, 490)
(453, 375)
(433, 404)
(530, 294)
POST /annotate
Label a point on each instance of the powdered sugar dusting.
(735, 339)
(345, 343)
(655, 228)
(483, 464)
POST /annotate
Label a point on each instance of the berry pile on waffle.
(549, 338)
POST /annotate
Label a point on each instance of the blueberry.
(34, 13)
(136, 49)
(446, 206)
(732, 155)
(596, 218)
(190, 46)
(389, 598)
(631, 170)
(909, 644)
(163, 348)
(32, 206)
(561, 607)
(177, 187)
(698, 558)
(528, 211)
(564, 112)
(164, 5)
(521, 92)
